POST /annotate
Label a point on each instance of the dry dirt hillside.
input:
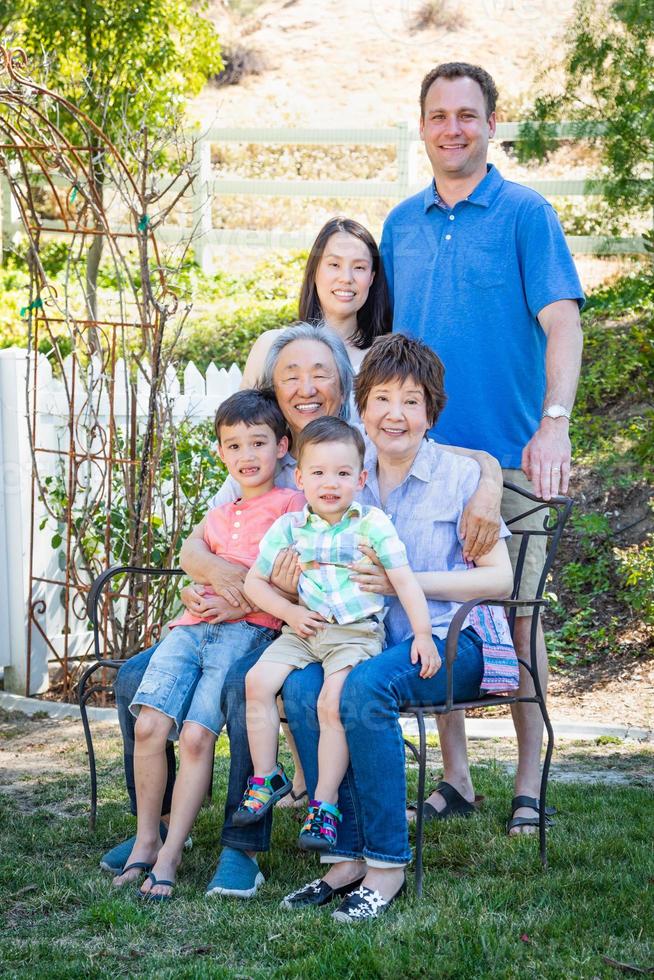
(330, 63)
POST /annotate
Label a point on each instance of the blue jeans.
(372, 796)
(185, 676)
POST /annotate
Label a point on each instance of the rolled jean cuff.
(240, 845)
(376, 860)
(332, 858)
(373, 863)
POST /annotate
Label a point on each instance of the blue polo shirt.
(470, 281)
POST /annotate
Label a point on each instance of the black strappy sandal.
(455, 804)
(532, 803)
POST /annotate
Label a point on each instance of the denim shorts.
(185, 676)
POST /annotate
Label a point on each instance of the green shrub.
(227, 343)
(636, 570)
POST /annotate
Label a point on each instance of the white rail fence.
(406, 140)
(195, 399)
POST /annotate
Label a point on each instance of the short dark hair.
(374, 317)
(461, 69)
(253, 407)
(329, 429)
(396, 358)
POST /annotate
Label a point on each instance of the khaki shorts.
(512, 505)
(335, 647)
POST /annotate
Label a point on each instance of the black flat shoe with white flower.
(317, 893)
(364, 903)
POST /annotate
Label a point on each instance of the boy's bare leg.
(528, 721)
(333, 754)
(150, 773)
(196, 748)
(262, 683)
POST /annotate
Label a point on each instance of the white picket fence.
(195, 399)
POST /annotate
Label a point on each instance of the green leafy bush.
(636, 569)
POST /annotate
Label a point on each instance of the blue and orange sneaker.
(261, 794)
(319, 829)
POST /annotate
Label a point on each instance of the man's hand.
(304, 622)
(229, 582)
(546, 458)
(423, 649)
(371, 578)
(480, 522)
(285, 574)
(212, 608)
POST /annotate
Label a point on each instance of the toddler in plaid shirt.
(335, 622)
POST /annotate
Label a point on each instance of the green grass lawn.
(488, 909)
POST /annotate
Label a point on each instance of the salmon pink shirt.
(233, 532)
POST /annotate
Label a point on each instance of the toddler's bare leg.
(333, 754)
(262, 683)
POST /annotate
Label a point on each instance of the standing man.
(478, 268)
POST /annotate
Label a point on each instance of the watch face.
(556, 412)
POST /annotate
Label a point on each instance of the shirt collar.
(309, 517)
(420, 468)
(483, 194)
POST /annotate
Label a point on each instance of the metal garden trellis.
(50, 154)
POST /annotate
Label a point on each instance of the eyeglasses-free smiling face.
(250, 453)
(455, 128)
(395, 418)
(306, 383)
(344, 276)
(330, 475)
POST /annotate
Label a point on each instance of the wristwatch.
(555, 412)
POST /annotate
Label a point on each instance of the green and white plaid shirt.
(326, 551)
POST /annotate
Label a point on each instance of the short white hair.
(322, 333)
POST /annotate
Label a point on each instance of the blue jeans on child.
(185, 676)
(372, 797)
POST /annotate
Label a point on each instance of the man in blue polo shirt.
(478, 268)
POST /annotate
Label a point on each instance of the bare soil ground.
(35, 751)
(334, 65)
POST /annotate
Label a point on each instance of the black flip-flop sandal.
(456, 805)
(141, 865)
(533, 804)
(297, 800)
(148, 896)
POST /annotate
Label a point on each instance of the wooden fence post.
(203, 203)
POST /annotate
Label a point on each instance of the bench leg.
(422, 766)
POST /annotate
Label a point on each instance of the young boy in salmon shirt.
(179, 695)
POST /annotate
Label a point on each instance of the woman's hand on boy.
(371, 578)
(424, 649)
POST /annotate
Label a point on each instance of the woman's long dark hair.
(374, 317)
